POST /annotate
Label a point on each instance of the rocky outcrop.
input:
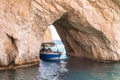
(48, 35)
(88, 28)
(91, 30)
(20, 33)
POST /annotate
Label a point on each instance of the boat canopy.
(48, 44)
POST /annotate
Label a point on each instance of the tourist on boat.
(49, 50)
(43, 49)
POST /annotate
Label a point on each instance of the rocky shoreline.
(18, 66)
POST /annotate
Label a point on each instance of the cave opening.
(81, 39)
(51, 35)
(66, 32)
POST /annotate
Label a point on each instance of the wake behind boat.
(49, 51)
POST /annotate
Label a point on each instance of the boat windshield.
(50, 45)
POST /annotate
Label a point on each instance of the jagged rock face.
(88, 28)
(21, 32)
(91, 30)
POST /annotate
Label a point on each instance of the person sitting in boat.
(43, 49)
(49, 50)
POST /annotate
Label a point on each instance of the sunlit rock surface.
(48, 35)
(88, 28)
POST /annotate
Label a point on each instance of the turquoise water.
(71, 69)
(65, 69)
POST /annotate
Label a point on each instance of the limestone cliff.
(48, 35)
(88, 28)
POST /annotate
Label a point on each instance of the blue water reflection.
(70, 69)
(51, 70)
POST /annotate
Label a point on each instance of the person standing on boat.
(43, 49)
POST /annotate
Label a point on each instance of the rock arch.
(88, 28)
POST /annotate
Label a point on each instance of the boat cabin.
(48, 47)
(49, 51)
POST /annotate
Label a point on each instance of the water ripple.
(72, 69)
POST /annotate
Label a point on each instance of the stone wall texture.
(48, 35)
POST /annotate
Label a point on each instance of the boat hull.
(50, 56)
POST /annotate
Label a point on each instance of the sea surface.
(66, 69)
